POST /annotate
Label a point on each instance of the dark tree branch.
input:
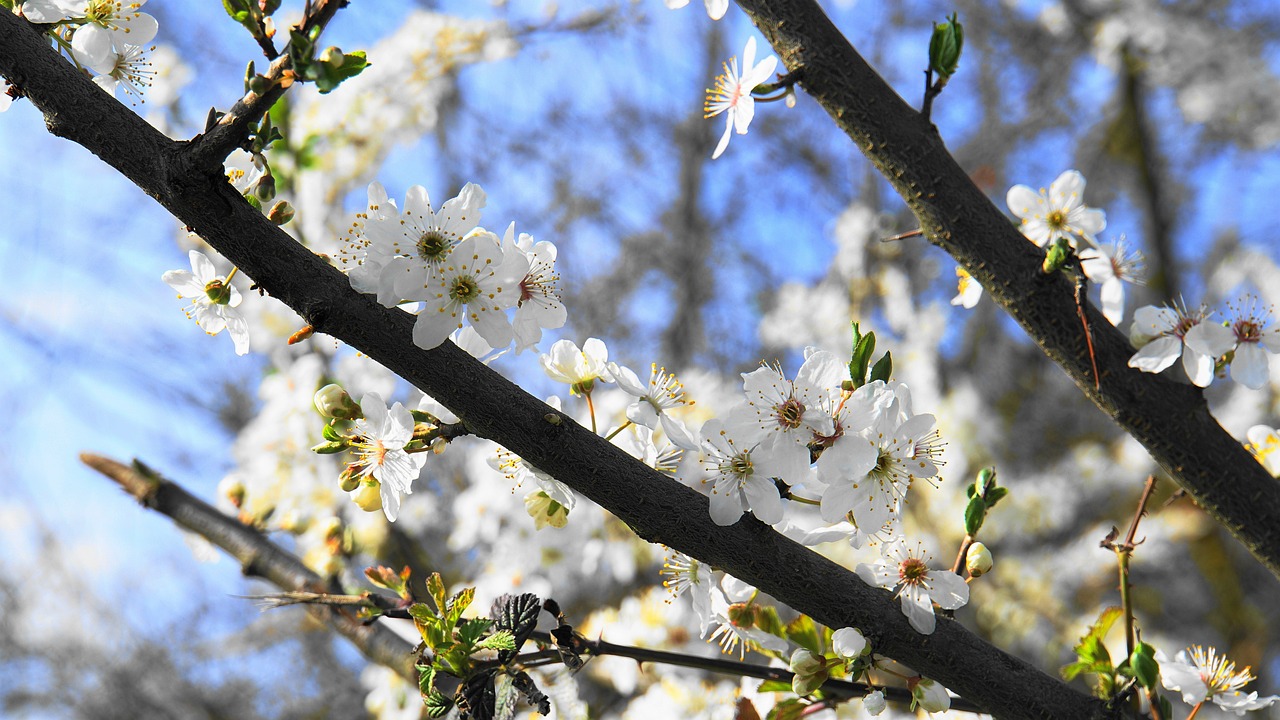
(1170, 419)
(257, 555)
(656, 507)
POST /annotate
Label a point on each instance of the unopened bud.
(257, 85)
(281, 213)
(929, 695)
(332, 401)
(265, 190)
(369, 496)
(978, 561)
(438, 445)
(945, 46)
(233, 490)
(874, 703)
(332, 57)
(810, 672)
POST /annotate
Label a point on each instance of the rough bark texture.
(656, 507)
(1170, 419)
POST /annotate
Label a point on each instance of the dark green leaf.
(475, 696)
(974, 513)
(775, 686)
(995, 494)
(532, 694)
(437, 703)
(883, 368)
(519, 614)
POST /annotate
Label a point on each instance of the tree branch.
(656, 507)
(257, 555)
(1170, 419)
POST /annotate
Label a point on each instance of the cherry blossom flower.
(903, 447)
(968, 291)
(1202, 675)
(213, 300)
(689, 575)
(715, 8)
(1254, 336)
(577, 368)
(918, 586)
(1161, 334)
(381, 436)
(731, 635)
(785, 415)
(1060, 212)
(664, 392)
(732, 93)
(477, 282)
(126, 68)
(1111, 266)
(407, 249)
(538, 307)
(929, 695)
(1264, 443)
(742, 478)
(108, 24)
(518, 470)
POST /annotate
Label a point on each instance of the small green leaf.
(862, 359)
(437, 703)
(974, 513)
(435, 589)
(458, 604)
(426, 678)
(791, 709)
(774, 686)
(803, 632)
(471, 630)
(995, 494)
(330, 433)
(500, 640)
(883, 368)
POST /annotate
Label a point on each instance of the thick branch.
(257, 555)
(1170, 419)
(656, 507)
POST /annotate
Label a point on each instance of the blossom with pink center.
(1111, 266)
(1164, 334)
(918, 586)
(732, 93)
(1058, 213)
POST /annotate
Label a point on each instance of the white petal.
(238, 328)
(726, 507)
(880, 575)
(724, 139)
(1210, 338)
(679, 434)
(763, 497)
(1250, 366)
(184, 282)
(715, 8)
(1113, 299)
(918, 608)
(1067, 189)
(433, 326)
(92, 46)
(1157, 355)
(948, 589)
(1023, 201)
(1198, 366)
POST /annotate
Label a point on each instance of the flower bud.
(874, 703)
(350, 478)
(218, 292)
(978, 560)
(848, 643)
(257, 85)
(233, 490)
(369, 496)
(332, 56)
(332, 401)
(281, 213)
(930, 695)
(438, 445)
(945, 47)
(810, 672)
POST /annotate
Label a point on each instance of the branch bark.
(656, 507)
(1170, 419)
(257, 555)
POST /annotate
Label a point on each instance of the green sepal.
(883, 369)
(861, 359)
(974, 513)
(330, 433)
(329, 448)
(420, 416)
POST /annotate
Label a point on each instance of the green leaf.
(471, 630)
(458, 604)
(1092, 655)
(435, 589)
(235, 7)
(330, 433)
(1144, 666)
(518, 614)
(766, 619)
(423, 614)
(862, 359)
(883, 368)
(974, 513)
(803, 632)
(437, 704)
(501, 640)
(426, 678)
(791, 709)
(774, 686)
(995, 494)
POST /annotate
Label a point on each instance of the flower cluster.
(1243, 343)
(1059, 213)
(108, 37)
(455, 269)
